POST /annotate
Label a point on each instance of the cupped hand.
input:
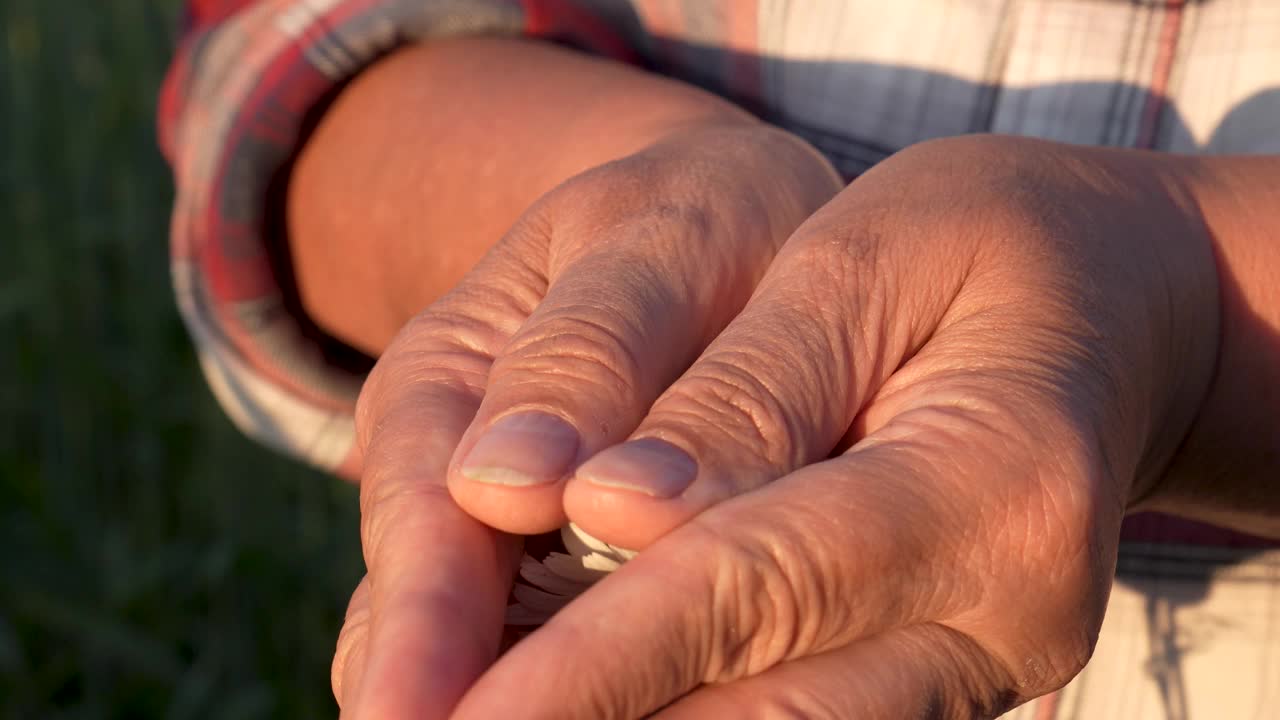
(897, 477)
(552, 348)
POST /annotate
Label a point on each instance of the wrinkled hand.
(559, 341)
(963, 370)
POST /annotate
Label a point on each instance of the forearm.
(430, 156)
(1228, 470)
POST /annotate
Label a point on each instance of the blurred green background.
(153, 563)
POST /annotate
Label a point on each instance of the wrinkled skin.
(684, 228)
(913, 446)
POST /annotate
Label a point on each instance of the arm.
(646, 213)
(431, 155)
(1226, 471)
(245, 85)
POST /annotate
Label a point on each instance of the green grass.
(153, 563)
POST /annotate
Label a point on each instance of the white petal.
(542, 577)
(560, 577)
(539, 601)
(571, 568)
(602, 563)
(574, 535)
(579, 542)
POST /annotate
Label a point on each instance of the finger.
(747, 585)
(922, 671)
(437, 578)
(610, 334)
(940, 515)
(630, 304)
(832, 318)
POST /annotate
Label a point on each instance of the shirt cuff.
(234, 111)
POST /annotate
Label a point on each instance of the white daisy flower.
(548, 585)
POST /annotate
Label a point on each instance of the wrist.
(1225, 470)
(1183, 317)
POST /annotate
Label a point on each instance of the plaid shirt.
(1193, 628)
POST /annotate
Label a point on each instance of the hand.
(1013, 336)
(560, 339)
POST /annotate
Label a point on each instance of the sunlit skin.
(1011, 342)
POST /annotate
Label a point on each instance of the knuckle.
(672, 224)
(433, 364)
(392, 503)
(620, 184)
(410, 414)
(835, 248)
(442, 328)
(583, 345)
(413, 413)
(639, 198)
(635, 171)
(641, 176)
(737, 404)
(404, 470)
(437, 350)
(400, 457)
(843, 280)
(776, 385)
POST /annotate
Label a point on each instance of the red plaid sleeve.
(248, 77)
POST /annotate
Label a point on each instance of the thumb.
(922, 671)
(980, 490)
(647, 259)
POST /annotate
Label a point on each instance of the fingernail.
(529, 448)
(648, 465)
